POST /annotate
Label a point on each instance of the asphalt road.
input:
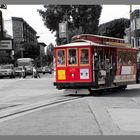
(110, 114)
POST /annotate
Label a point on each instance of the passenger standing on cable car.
(96, 69)
(112, 72)
(108, 77)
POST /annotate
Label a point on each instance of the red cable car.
(95, 63)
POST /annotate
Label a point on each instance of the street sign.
(5, 44)
(63, 30)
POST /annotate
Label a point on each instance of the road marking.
(26, 109)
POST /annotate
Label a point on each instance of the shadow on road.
(135, 92)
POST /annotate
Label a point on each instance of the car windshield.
(23, 64)
(18, 68)
(47, 67)
(5, 67)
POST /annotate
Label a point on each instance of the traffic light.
(3, 6)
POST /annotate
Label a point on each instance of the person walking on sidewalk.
(35, 73)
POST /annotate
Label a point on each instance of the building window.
(138, 23)
(133, 24)
(138, 42)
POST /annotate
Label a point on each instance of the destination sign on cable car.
(118, 44)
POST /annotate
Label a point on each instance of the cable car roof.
(82, 42)
(92, 35)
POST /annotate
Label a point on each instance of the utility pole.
(130, 21)
(135, 32)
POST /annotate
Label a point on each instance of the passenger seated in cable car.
(61, 60)
(72, 60)
(61, 57)
(84, 57)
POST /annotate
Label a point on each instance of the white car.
(7, 71)
(18, 71)
(46, 69)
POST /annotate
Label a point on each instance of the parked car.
(39, 70)
(18, 71)
(7, 71)
(43, 70)
(48, 69)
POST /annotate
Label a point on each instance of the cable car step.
(104, 88)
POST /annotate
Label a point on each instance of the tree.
(50, 54)
(85, 17)
(114, 28)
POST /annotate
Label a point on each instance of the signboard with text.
(6, 45)
(63, 30)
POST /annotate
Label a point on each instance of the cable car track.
(19, 110)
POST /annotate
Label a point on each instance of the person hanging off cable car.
(108, 72)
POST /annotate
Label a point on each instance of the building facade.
(6, 44)
(135, 28)
(41, 46)
(24, 36)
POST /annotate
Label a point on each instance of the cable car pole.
(130, 21)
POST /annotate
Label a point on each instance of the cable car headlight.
(72, 74)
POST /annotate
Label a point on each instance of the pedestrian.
(35, 73)
(23, 75)
(24, 71)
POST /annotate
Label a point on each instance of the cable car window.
(124, 56)
(129, 58)
(84, 56)
(61, 57)
(72, 58)
(134, 57)
(120, 58)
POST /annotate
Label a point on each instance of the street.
(27, 108)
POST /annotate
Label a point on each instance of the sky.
(31, 16)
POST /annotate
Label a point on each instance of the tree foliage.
(50, 53)
(114, 28)
(83, 18)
